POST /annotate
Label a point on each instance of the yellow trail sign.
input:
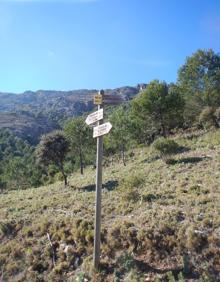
(97, 99)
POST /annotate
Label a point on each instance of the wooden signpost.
(98, 131)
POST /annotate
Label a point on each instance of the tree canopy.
(199, 80)
(53, 149)
(80, 138)
(161, 103)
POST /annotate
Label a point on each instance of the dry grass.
(159, 222)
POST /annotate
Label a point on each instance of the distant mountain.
(26, 126)
(31, 114)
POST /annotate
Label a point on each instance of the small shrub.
(134, 276)
(196, 240)
(12, 268)
(83, 233)
(181, 277)
(217, 114)
(135, 180)
(166, 148)
(126, 262)
(131, 195)
(7, 228)
(149, 197)
(123, 234)
(195, 189)
(209, 117)
(130, 188)
(61, 267)
(17, 252)
(170, 277)
(2, 185)
(206, 117)
(79, 277)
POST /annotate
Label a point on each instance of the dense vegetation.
(160, 206)
(18, 168)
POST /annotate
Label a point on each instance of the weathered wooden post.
(99, 156)
(98, 131)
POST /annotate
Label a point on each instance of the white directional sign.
(94, 117)
(101, 129)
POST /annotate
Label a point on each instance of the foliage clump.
(52, 149)
(207, 118)
(18, 167)
(166, 148)
(81, 142)
(198, 79)
(163, 104)
(130, 188)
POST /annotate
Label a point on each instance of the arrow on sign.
(94, 117)
(101, 129)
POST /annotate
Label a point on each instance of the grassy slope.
(158, 221)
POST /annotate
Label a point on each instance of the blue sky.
(72, 44)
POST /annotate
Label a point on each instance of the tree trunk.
(123, 155)
(64, 175)
(81, 161)
(65, 179)
(163, 128)
(215, 122)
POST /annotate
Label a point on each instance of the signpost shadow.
(109, 185)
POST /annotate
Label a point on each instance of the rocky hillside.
(26, 126)
(34, 113)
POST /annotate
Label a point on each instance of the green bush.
(130, 187)
(6, 228)
(126, 262)
(166, 148)
(149, 197)
(206, 117)
(217, 114)
(3, 185)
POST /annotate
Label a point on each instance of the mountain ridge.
(41, 111)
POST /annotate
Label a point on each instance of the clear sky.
(72, 44)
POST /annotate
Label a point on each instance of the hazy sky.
(73, 44)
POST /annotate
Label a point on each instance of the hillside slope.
(158, 221)
(27, 126)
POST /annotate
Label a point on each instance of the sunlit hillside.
(160, 222)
